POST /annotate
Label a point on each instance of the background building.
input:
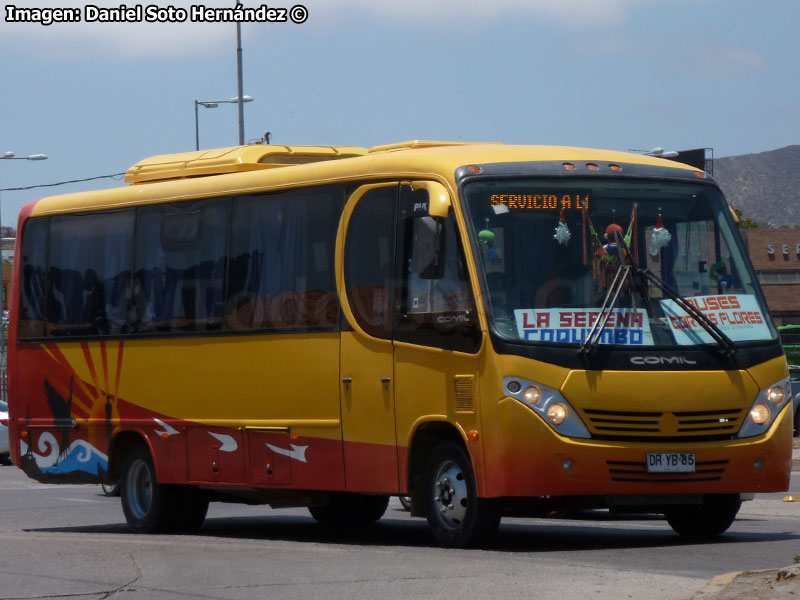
(776, 257)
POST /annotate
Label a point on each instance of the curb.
(716, 585)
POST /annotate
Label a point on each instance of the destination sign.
(737, 315)
(541, 201)
(628, 327)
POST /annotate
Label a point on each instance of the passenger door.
(366, 253)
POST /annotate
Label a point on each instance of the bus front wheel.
(711, 518)
(456, 516)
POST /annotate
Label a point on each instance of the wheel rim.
(450, 495)
(139, 489)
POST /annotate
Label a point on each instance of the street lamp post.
(215, 104)
(8, 156)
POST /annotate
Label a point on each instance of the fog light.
(557, 413)
(776, 394)
(532, 395)
(760, 413)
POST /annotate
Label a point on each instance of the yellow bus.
(485, 328)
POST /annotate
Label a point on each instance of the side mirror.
(438, 198)
(429, 251)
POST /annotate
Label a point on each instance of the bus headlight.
(765, 409)
(760, 413)
(532, 395)
(557, 413)
(776, 394)
(549, 404)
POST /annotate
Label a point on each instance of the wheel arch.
(120, 444)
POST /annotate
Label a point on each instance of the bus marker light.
(760, 413)
(474, 169)
(615, 168)
(791, 499)
(473, 435)
(557, 413)
(569, 166)
(294, 437)
(758, 464)
(23, 435)
(591, 166)
(700, 174)
(567, 465)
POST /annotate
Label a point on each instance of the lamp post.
(8, 156)
(215, 104)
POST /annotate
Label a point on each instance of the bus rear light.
(760, 413)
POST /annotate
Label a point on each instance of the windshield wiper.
(606, 309)
(637, 274)
(727, 345)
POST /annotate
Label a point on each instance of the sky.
(97, 97)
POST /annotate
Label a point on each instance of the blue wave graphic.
(85, 459)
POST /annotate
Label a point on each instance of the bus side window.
(180, 266)
(32, 288)
(89, 273)
(280, 271)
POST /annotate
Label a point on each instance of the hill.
(765, 186)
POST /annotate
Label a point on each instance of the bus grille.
(625, 471)
(664, 426)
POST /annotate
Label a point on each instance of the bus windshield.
(563, 261)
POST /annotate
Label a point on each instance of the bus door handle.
(386, 380)
(347, 381)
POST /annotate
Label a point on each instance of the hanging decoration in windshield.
(625, 326)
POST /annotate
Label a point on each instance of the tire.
(149, 507)
(343, 508)
(711, 518)
(456, 516)
(110, 489)
(406, 502)
(192, 511)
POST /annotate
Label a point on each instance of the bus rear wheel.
(711, 518)
(456, 516)
(343, 508)
(151, 507)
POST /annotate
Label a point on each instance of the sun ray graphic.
(92, 382)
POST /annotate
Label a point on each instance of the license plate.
(670, 462)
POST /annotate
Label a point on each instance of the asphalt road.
(72, 542)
